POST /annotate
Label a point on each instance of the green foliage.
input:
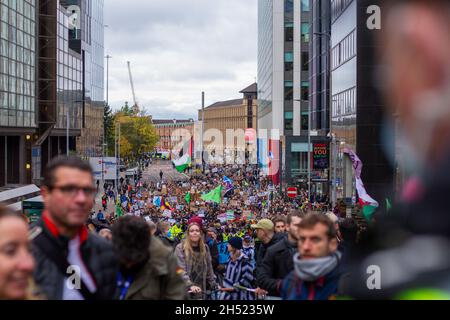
(138, 135)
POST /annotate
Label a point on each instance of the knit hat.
(236, 243)
(196, 220)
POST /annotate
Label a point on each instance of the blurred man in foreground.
(410, 255)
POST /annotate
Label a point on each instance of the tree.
(138, 135)
(126, 110)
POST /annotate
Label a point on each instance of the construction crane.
(135, 106)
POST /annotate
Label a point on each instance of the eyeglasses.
(72, 191)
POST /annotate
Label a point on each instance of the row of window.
(344, 103)
(15, 101)
(289, 32)
(26, 7)
(22, 37)
(17, 118)
(16, 86)
(14, 7)
(344, 50)
(337, 7)
(289, 5)
(289, 90)
(17, 69)
(289, 121)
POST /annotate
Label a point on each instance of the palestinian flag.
(182, 163)
(188, 198)
(367, 203)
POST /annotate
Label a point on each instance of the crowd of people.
(165, 240)
(227, 235)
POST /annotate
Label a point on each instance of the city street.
(170, 174)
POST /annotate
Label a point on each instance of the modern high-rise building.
(71, 84)
(18, 67)
(357, 106)
(284, 37)
(51, 75)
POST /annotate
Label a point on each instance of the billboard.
(104, 168)
(321, 156)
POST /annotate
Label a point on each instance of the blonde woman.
(16, 261)
(195, 260)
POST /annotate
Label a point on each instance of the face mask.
(313, 269)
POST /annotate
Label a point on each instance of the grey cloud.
(179, 48)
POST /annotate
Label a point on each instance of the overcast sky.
(179, 48)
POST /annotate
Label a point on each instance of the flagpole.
(203, 131)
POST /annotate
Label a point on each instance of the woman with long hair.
(195, 260)
(16, 261)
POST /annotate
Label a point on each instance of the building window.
(304, 121)
(305, 32)
(305, 61)
(305, 5)
(288, 120)
(289, 32)
(289, 5)
(288, 66)
(288, 90)
(305, 90)
(344, 50)
(289, 57)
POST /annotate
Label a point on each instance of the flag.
(182, 163)
(119, 211)
(162, 205)
(367, 203)
(214, 196)
(188, 198)
(157, 201)
(167, 205)
(388, 205)
(228, 182)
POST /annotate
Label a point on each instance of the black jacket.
(262, 250)
(214, 250)
(50, 254)
(277, 264)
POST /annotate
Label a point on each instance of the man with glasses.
(72, 264)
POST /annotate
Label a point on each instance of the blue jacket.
(325, 288)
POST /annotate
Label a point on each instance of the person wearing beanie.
(239, 273)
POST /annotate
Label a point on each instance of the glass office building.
(17, 88)
(357, 106)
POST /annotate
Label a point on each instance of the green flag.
(214, 196)
(119, 211)
(388, 204)
(188, 198)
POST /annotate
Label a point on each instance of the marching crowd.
(172, 240)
